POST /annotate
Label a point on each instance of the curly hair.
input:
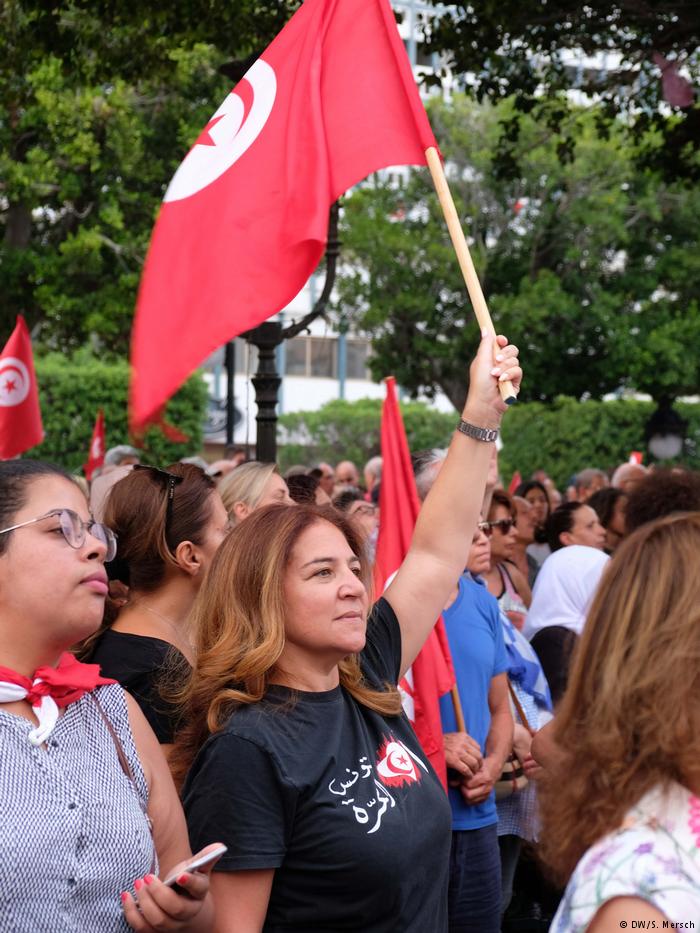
(630, 718)
(662, 493)
(239, 618)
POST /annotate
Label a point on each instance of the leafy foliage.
(590, 267)
(350, 430)
(98, 104)
(568, 436)
(562, 438)
(71, 392)
(534, 54)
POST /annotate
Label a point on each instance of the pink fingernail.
(149, 879)
(138, 884)
(484, 333)
(499, 358)
(124, 896)
(495, 371)
(182, 879)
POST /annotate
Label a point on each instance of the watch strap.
(479, 434)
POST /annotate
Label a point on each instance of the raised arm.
(443, 534)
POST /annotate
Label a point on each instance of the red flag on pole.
(244, 220)
(20, 414)
(431, 674)
(96, 455)
(515, 480)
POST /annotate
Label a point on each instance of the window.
(312, 356)
(357, 355)
(323, 357)
(295, 356)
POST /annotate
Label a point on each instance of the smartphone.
(212, 856)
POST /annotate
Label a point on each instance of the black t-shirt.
(143, 666)
(339, 800)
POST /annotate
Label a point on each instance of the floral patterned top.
(654, 855)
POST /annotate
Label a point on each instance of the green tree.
(533, 53)
(590, 266)
(98, 104)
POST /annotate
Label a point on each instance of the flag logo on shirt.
(396, 764)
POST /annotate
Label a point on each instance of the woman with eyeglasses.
(169, 524)
(89, 812)
(503, 579)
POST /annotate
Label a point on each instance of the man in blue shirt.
(476, 756)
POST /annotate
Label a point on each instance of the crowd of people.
(193, 660)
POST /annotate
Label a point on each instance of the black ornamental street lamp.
(268, 336)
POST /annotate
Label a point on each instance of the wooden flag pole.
(464, 257)
(459, 712)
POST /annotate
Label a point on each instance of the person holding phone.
(90, 814)
(296, 752)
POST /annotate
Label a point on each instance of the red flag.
(432, 674)
(96, 455)
(636, 456)
(515, 481)
(20, 414)
(244, 220)
(676, 89)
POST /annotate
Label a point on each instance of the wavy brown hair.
(630, 718)
(239, 618)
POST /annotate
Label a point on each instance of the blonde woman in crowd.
(251, 486)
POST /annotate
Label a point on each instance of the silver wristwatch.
(479, 434)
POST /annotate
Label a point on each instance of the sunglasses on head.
(169, 481)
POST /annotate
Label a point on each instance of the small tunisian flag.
(20, 414)
(244, 220)
(431, 674)
(96, 456)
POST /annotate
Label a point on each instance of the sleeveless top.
(73, 834)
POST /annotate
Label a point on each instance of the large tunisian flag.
(20, 414)
(431, 674)
(244, 220)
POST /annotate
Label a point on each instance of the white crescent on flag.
(397, 764)
(227, 135)
(14, 381)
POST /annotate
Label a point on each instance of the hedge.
(71, 390)
(567, 436)
(350, 431)
(561, 438)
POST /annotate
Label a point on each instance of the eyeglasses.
(503, 524)
(170, 480)
(366, 509)
(74, 530)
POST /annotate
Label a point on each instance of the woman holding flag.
(297, 754)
